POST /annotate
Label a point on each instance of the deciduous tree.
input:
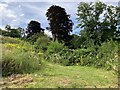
(60, 23)
(33, 27)
(98, 21)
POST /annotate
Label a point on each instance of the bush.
(53, 53)
(77, 56)
(69, 57)
(76, 42)
(108, 55)
(11, 33)
(32, 39)
(42, 43)
(19, 59)
(55, 47)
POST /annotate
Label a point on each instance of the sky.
(19, 14)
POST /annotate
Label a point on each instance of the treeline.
(98, 23)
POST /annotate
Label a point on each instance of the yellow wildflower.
(40, 53)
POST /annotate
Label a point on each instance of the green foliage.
(33, 28)
(94, 26)
(3, 32)
(42, 43)
(60, 23)
(75, 42)
(55, 47)
(55, 58)
(12, 32)
(19, 58)
(108, 55)
(68, 56)
(15, 33)
(104, 56)
(32, 39)
(7, 27)
(55, 54)
(78, 42)
(5, 39)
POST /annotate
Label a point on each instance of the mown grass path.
(57, 76)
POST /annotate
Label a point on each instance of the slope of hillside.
(51, 75)
(57, 76)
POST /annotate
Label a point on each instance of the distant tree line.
(12, 32)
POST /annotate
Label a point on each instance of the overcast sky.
(19, 14)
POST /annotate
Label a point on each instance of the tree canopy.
(98, 21)
(33, 27)
(12, 32)
(60, 23)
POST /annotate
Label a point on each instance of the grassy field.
(57, 76)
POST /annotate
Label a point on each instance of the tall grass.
(19, 58)
(9, 40)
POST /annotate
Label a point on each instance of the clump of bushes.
(104, 56)
(41, 43)
(55, 47)
(108, 55)
(32, 39)
(70, 57)
(53, 52)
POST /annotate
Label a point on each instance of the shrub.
(76, 42)
(55, 47)
(77, 56)
(8, 65)
(69, 57)
(42, 43)
(108, 55)
(53, 54)
(32, 39)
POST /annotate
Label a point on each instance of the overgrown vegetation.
(106, 56)
(96, 45)
(19, 58)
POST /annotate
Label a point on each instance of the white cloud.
(22, 14)
(10, 15)
(19, 6)
(6, 12)
(35, 12)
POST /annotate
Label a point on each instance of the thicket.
(106, 55)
